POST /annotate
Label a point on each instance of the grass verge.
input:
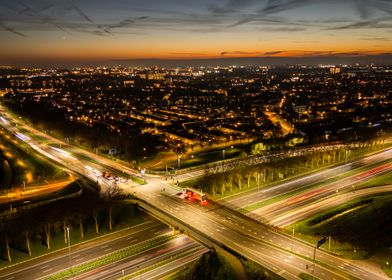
(345, 224)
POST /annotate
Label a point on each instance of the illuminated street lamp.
(69, 247)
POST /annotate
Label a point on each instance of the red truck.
(194, 195)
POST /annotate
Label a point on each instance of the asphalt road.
(171, 267)
(248, 198)
(148, 258)
(321, 192)
(306, 211)
(284, 255)
(46, 265)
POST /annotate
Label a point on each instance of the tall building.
(334, 70)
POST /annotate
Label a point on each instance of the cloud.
(67, 16)
(80, 12)
(273, 53)
(284, 29)
(232, 6)
(12, 30)
(306, 42)
(381, 39)
(276, 6)
(239, 53)
(373, 23)
(188, 53)
(366, 10)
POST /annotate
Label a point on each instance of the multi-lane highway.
(320, 192)
(284, 255)
(46, 265)
(179, 250)
(255, 196)
(308, 210)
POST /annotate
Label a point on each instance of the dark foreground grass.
(210, 266)
(365, 224)
(255, 271)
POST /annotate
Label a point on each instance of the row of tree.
(247, 176)
(42, 223)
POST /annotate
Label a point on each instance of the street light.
(179, 161)
(69, 247)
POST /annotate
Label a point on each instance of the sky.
(183, 29)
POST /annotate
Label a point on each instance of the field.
(358, 228)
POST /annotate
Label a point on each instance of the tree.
(229, 181)
(110, 210)
(47, 227)
(213, 188)
(7, 248)
(95, 217)
(28, 242)
(238, 178)
(248, 178)
(258, 148)
(81, 229)
(64, 220)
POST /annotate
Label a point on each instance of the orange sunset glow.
(178, 30)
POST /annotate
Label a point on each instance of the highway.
(254, 196)
(320, 192)
(308, 210)
(143, 261)
(284, 255)
(264, 245)
(31, 192)
(171, 267)
(60, 260)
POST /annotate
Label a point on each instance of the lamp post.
(69, 247)
(179, 161)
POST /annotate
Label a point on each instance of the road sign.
(322, 241)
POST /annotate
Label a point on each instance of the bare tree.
(47, 227)
(28, 241)
(81, 229)
(7, 248)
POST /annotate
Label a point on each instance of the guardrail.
(228, 164)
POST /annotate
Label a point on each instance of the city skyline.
(86, 30)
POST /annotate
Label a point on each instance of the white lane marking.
(46, 271)
(44, 266)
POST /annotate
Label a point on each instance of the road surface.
(46, 265)
(281, 253)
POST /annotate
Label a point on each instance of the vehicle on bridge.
(194, 195)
